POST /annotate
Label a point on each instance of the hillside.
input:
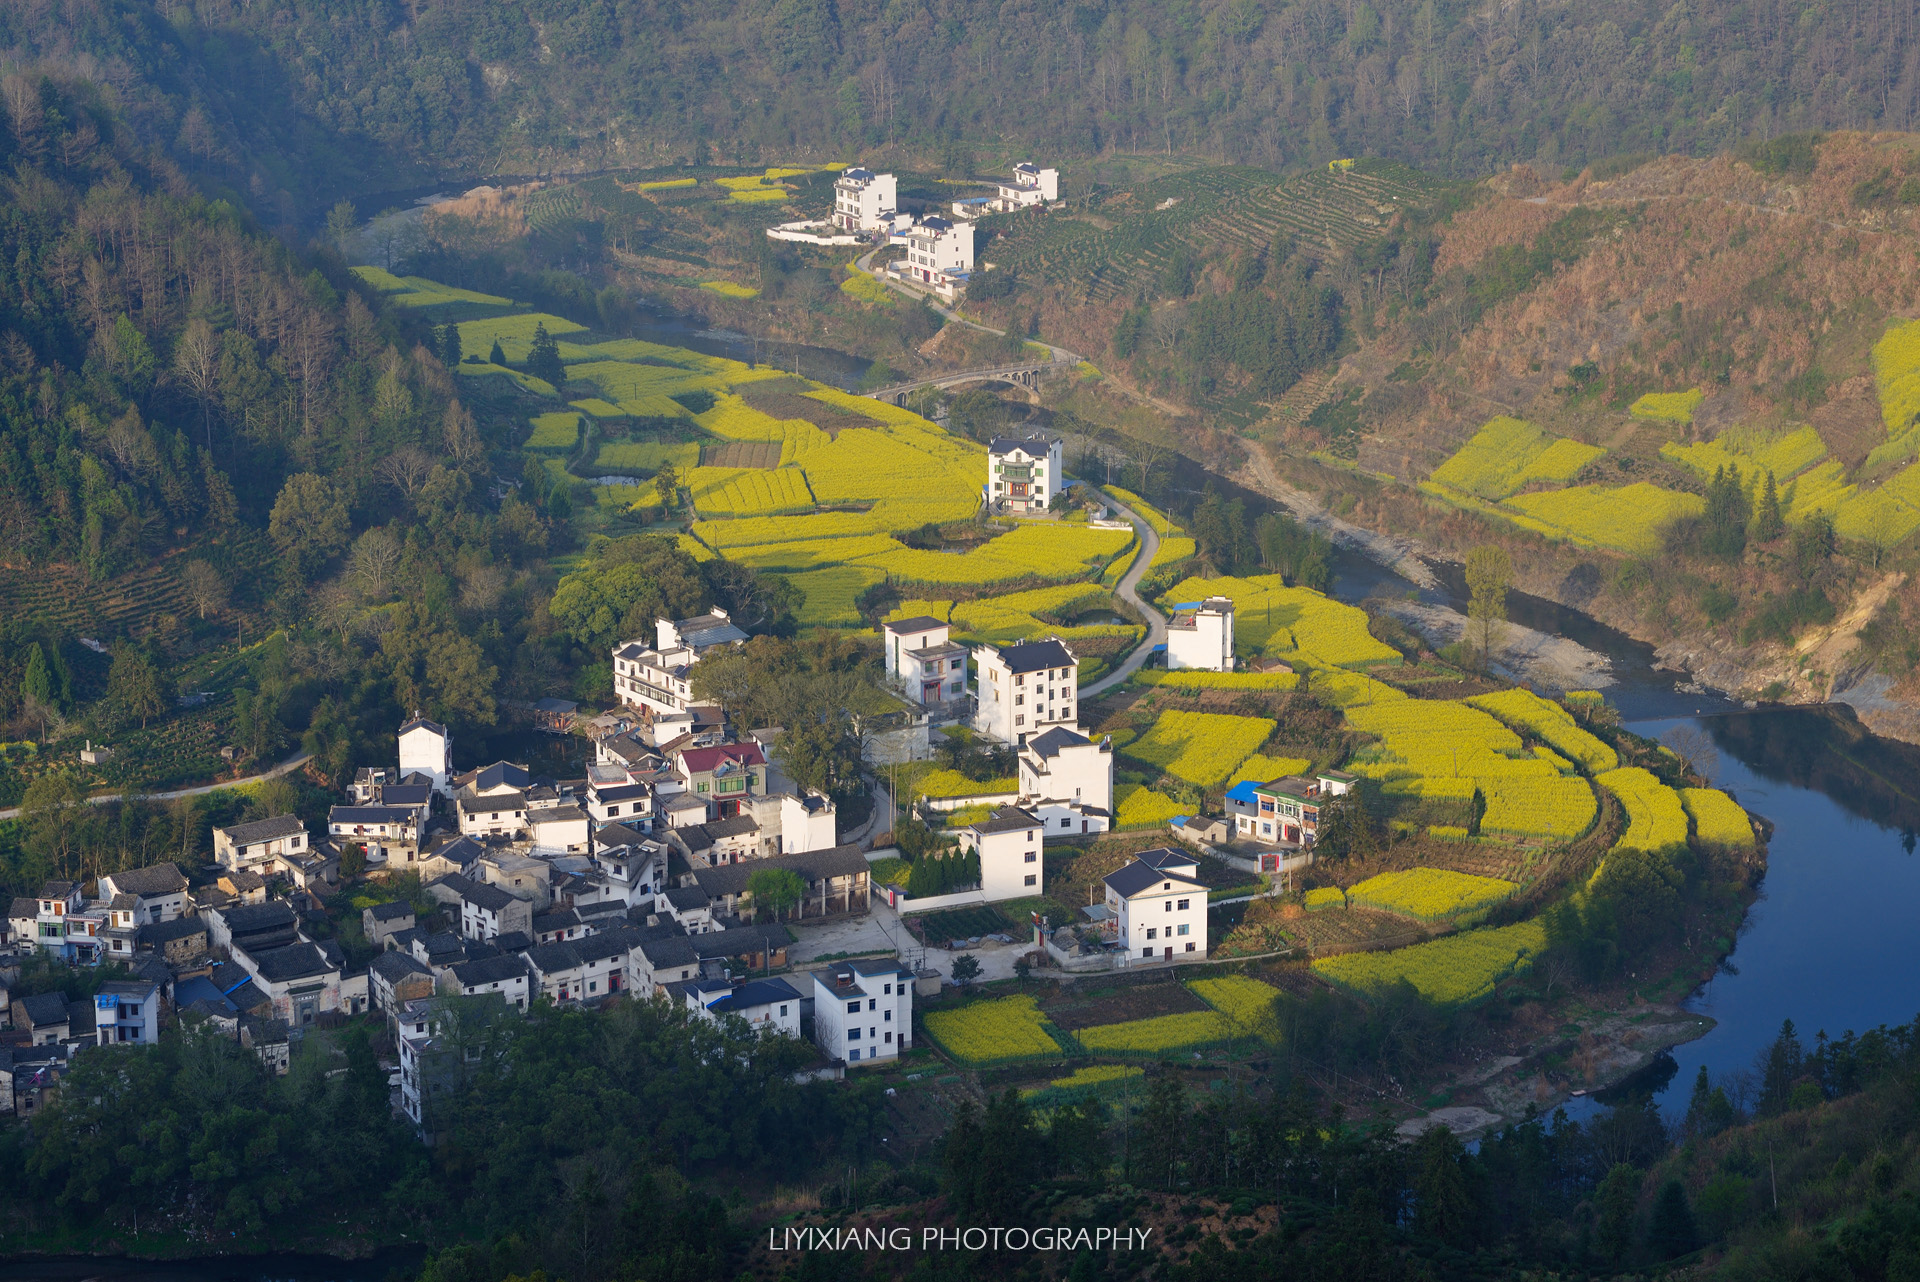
(282, 100)
(1590, 353)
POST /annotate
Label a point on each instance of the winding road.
(1128, 590)
(292, 763)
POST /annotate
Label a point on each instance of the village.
(686, 867)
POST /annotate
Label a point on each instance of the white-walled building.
(1200, 635)
(127, 1012)
(863, 200)
(253, 844)
(1023, 473)
(391, 834)
(160, 892)
(659, 678)
(426, 748)
(1030, 185)
(939, 255)
(1066, 781)
(1025, 689)
(1160, 906)
(1008, 843)
(770, 1006)
(923, 661)
(863, 1010)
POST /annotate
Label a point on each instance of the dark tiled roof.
(295, 961)
(158, 879)
(406, 794)
(423, 723)
(43, 1009)
(560, 919)
(370, 815)
(490, 970)
(462, 852)
(731, 879)
(248, 919)
(394, 967)
(687, 898)
(758, 992)
(393, 911)
(1050, 743)
(1005, 819)
(1035, 445)
(264, 830)
(551, 959)
(918, 623)
(1138, 876)
(1034, 656)
(55, 889)
(491, 898)
(166, 932)
(512, 941)
(24, 907)
(608, 943)
(494, 803)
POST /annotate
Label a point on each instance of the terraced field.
(1204, 210)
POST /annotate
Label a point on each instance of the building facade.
(1159, 906)
(1025, 689)
(923, 661)
(1200, 636)
(1023, 474)
(863, 200)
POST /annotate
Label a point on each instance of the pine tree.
(543, 358)
(496, 356)
(1768, 524)
(37, 684)
(1671, 1231)
(450, 344)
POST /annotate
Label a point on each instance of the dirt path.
(1400, 555)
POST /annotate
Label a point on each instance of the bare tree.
(376, 554)
(1695, 749)
(406, 469)
(206, 590)
(196, 364)
(1148, 455)
(463, 439)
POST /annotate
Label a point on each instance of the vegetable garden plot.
(1447, 972)
(1200, 747)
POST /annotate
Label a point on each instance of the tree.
(135, 686)
(438, 668)
(495, 356)
(1728, 514)
(1443, 1206)
(36, 683)
(206, 590)
(626, 585)
(450, 344)
(1694, 748)
(1768, 524)
(376, 554)
(342, 219)
(196, 363)
(666, 484)
(406, 469)
(1614, 1202)
(1671, 1230)
(543, 358)
(776, 889)
(309, 522)
(966, 969)
(1489, 578)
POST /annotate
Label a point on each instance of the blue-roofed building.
(769, 1005)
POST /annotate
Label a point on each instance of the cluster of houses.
(939, 258)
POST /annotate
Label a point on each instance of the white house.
(1023, 473)
(770, 1006)
(1030, 185)
(923, 660)
(160, 892)
(504, 975)
(261, 842)
(302, 981)
(426, 748)
(1200, 635)
(391, 834)
(1066, 781)
(657, 677)
(939, 255)
(634, 866)
(1008, 843)
(863, 200)
(1284, 811)
(558, 830)
(497, 815)
(863, 1010)
(127, 1012)
(1160, 906)
(1025, 689)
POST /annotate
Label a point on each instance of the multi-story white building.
(1066, 781)
(127, 1012)
(426, 748)
(1200, 635)
(1030, 185)
(1025, 689)
(1008, 843)
(1023, 474)
(863, 1010)
(863, 200)
(939, 255)
(660, 678)
(1159, 906)
(922, 660)
(261, 842)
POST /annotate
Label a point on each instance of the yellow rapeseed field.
(989, 1032)
(1447, 972)
(1431, 894)
(1200, 747)
(1717, 818)
(1551, 722)
(1655, 819)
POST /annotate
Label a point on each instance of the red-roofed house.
(723, 774)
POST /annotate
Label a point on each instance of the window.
(700, 787)
(1189, 947)
(783, 1012)
(1020, 721)
(1184, 903)
(1167, 904)
(872, 1004)
(593, 987)
(1032, 880)
(1020, 680)
(1183, 928)
(887, 1019)
(1146, 952)
(1019, 700)
(853, 1008)
(1066, 823)
(887, 989)
(1032, 855)
(853, 1055)
(1152, 932)
(853, 1034)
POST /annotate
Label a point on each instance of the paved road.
(1127, 591)
(291, 763)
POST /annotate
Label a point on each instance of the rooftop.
(1005, 819)
(263, 830)
(157, 879)
(1139, 876)
(1048, 745)
(1035, 656)
(918, 623)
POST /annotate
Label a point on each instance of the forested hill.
(281, 99)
